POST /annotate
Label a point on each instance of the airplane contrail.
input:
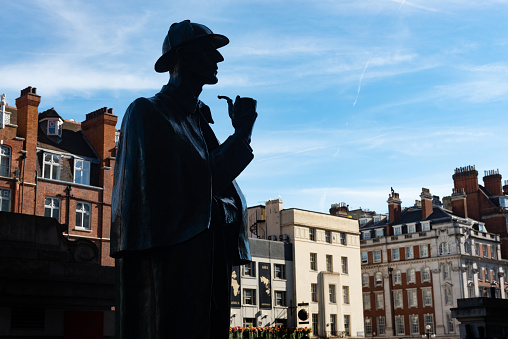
(361, 78)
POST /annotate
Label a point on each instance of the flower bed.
(239, 332)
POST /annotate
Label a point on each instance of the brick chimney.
(99, 130)
(426, 203)
(394, 209)
(339, 209)
(505, 187)
(492, 182)
(466, 178)
(27, 105)
(459, 202)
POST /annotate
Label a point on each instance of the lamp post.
(428, 334)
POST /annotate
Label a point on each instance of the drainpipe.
(68, 198)
(35, 197)
(23, 155)
(390, 276)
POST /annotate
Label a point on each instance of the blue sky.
(354, 97)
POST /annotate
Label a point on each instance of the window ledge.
(81, 229)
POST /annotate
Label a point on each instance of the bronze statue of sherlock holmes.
(179, 220)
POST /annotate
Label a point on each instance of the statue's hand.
(243, 115)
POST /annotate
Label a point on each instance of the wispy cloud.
(360, 82)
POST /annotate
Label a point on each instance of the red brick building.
(417, 261)
(59, 168)
(487, 203)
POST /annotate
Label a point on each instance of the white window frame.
(397, 230)
(412, 298)
(428, 319)
(426, 274)
(444, 248)
(5, 161)
(376, 257)
(477, 249)
(368, 326)
(410, 254)
(411, 228)
(83, 215)
(249, 296)
(52, 205)
(398, 299)
(366, 301)
(381, 325)
(395, 254)
(365, 258)
(411, 276)
(249, 270)
(414, 325)
(427, 296)
(5, 200)
(425, 226)
(366, 235)
(328, 236)
(380, 233)
(485, 249)
(365, 280)
(380, 300)
(397, 277)
(424, 251)
(53, 163)
(399, 325)
(56, 124)
(343, 239)
(447, 271)
(378, 282)
(82, 167)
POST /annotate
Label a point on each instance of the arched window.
(397, 277)
(5, 161)
(411, 275)
(426, 274)
(444, 248)
(379, 278)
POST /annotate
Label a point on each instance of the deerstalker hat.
(183, 33)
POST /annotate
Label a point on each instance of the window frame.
(85, 173)
(395, 257)
(398, 299)
(343, 238)
(52, 208)
(414, 324)
(344, 265)
(397, 277)
(411, 276)
(5, 199)
(280, 298)
(312, 234)
(279, 271)
(314, 292)
(249, 299)
(399, 325)
(329, 263)
(345, 295)
(84, 213)
(408, 250)
(376, 275)
(366, 301)
(380, 300)
(249, 270)
(332, 296)
(426, 254)
(412, 298)
(427, 297)
(365, 280)
(375, 255)
(364, 257)
(328, 236)
(5, 161)
(397, 230)
(426, 274)
(313, 262)
(53, 166)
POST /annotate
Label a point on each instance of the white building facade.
(327, 268)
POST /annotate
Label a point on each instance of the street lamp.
(428, 334)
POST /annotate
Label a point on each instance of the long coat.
(171, 174)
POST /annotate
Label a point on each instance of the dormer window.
(397, 230)
(54, 127)
(366, 235)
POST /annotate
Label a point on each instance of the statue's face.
(200, 61)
